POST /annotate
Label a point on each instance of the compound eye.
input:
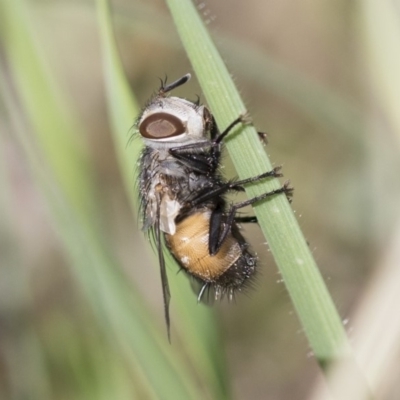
(161, 125)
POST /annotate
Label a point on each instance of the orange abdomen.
(189, 245)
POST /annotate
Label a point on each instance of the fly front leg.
(263, 136)
(238, 120)
(245, 120)
(217, 138)
(204, 157)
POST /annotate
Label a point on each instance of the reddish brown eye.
(161, 125)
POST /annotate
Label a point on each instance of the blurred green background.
(80, 299)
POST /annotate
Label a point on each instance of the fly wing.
(163, 271)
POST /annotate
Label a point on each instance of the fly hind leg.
(288, 190)
(251, 219)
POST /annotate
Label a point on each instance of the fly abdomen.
(227, 270)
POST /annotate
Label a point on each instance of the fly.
(182, 195)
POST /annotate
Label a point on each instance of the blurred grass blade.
(380, 22)
(196, 322)
(381, 29)
(375, 329)
(59, 133)
(122, 313)
(122, 106)
(321, 104)
(310, 297)
(22, 352)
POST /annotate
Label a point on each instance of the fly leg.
(244, 119)
(215, 227)
(216, 234)
(241, 119)
(245, 220)
(237, 186)
(201, 161)
(217, 243)
(206, 159)
(263, 136)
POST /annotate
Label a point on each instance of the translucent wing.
(163, 271)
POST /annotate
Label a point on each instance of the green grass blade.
(59, 132)
(119, 308)
(310, 297)
(196, 323)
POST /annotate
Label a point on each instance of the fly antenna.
(163, 82)
(167, 88)
(197, 102)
